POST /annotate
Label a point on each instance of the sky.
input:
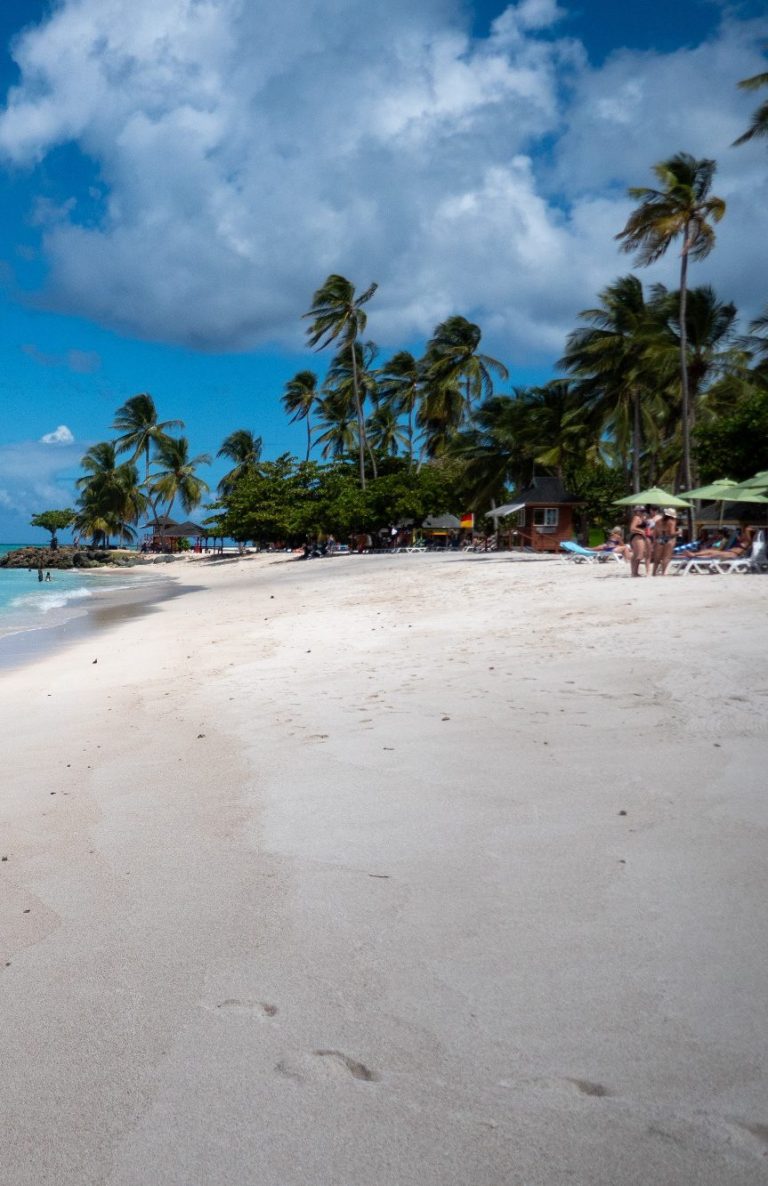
(179, 177)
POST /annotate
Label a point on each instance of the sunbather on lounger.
(742, 545)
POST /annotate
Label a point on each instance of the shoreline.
(30, 642)
(464, 852)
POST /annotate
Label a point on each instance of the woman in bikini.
(734, 552)
(638, 539)
(664, 540)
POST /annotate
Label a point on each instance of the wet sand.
(382, 871)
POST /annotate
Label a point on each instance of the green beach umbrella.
(655, 497)
(717, 491)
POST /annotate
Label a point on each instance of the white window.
(545, 516)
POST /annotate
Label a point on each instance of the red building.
(544, 515)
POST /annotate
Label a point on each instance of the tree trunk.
(686, 408)
(309, 437)
(359, 410)
(636, 441)
(685, 400)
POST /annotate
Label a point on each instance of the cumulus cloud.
(38, 475)
(60, 436)
(246, 149)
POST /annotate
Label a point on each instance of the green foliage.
(735, 443)
(289, 500)
(598, 486)
(53, 521)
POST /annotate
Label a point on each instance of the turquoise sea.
(28, 604)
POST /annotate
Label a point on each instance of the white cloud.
(60, 436)
(247, 149)
(35, 477)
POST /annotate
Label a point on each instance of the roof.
(544, 492)
(441, 523)
(733, 512)
(173, 530)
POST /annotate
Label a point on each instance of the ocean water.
(28, 604)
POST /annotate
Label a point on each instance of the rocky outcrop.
(68, 557)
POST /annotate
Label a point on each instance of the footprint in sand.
(329, 1063)
(259, 1009)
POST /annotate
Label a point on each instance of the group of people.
(654, 536)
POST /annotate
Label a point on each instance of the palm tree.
(400, 385)
(452, 358)
(242, 447)
(111, 497)
(345, 366)
(759, 125)
(140, 428)
(301, 394)
(384, 431)
(610, 358)
(439, 417)
(682, 207)
(338, 428)
(338, 314)
(177, 478)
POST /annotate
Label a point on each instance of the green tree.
(759, 124)
(400, 385)
(244, 448)
(681, 208)
(338, 427)
(53, 521)
(139, 428)
(111, 496)
(176, 478)
(736, 442)
(453, 359)
(338, 314)
(300, 397)
(610, 359)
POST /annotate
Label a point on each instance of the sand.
(391, 871)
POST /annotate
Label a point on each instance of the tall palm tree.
(338, 428)
(681, 208)
(301, 395)
(439, 417)
(338, 313)
(759, 125)
(384, 431)
(111, 498)
(452, 358)
(345, 366)
(176, 477)
(610, 358)
(244, 448)
(140, 428)
(400, 385)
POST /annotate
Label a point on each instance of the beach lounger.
(578, 555)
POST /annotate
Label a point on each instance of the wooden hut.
(545, 514)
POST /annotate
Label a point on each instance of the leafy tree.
(759, 124)
(453, 359)
(139, 428)
(53, 521)
(338, 314)
(736, 443)
(610, 358)
(244, 448)
(111, 498)
(681, 208)
(176, 477)
(400, 386)
(301, 396)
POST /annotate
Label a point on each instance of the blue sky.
(180, 176)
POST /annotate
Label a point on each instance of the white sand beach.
(391, 871)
